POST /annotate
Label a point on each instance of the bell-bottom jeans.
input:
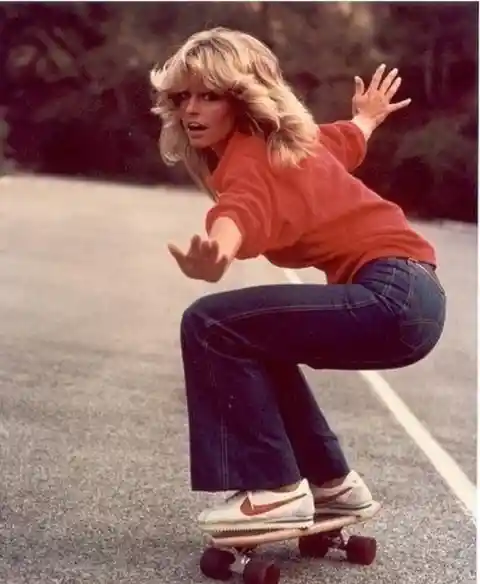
(253, 421)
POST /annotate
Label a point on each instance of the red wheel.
(258, 572)
(361, 550)
(216, 563)
(313, 546)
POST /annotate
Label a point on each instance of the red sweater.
(316, 215)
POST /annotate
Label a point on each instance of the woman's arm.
(346, 140)
(370, 108)
(238, 225)
(228, 237)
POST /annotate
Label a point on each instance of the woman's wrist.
(228, 236)
(366, 124)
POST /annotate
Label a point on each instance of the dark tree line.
(75, 97)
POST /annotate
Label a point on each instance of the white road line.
(447, 468)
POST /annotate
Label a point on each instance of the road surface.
(93, 435)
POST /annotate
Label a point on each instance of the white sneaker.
(352, 497)
(261, 510)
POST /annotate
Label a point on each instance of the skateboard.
(234, 552)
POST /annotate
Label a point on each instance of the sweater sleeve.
(345, 141)
(245, 197)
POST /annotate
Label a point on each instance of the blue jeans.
(254, 422)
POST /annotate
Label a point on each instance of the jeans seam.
(224, 450)
(433, 278)
(204, 342)
(411, 286)
(290, 309)
(222, 422)
(415, 322)
(406, 303)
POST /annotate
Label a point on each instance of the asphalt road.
(94, 484)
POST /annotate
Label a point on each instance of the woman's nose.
(192, 105)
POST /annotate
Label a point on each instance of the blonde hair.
(237, 64)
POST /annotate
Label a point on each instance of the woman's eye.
(211, 96)
(182, 96)
(178, 98)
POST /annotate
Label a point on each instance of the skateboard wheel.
(216, 563)
(313, 546)
(361, 550)
(260, 572)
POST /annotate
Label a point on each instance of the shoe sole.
(260, 525)
(361, 512)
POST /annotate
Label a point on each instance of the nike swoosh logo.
(251, 510)
(330, 498)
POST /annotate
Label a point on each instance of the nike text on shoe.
(261, 511)
(352, 497)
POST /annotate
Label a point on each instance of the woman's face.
(207, 117)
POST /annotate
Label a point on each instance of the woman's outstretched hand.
(202, 260)
(374, 104)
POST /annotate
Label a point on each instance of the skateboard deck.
(233, 552)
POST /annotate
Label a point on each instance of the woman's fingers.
(202, 262)
(209, 249)
(359, 86)
(390, 93)
(179, 256)
(203, 248)
(377, 78)
(390, 84)
(388, 81)
(222, 263)
(176, 252)
(195, 245)
(393, 107)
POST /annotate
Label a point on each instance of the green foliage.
(77, 98)
(446, 157)
(441, 145)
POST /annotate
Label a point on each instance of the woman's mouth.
(194, 128)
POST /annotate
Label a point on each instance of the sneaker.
(352, 497)
(261, 510)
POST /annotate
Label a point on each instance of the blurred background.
(75, 97)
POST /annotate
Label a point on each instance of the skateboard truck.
(359, 550)
(230, 553)
(220, 563)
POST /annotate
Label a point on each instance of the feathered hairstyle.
(239, 65)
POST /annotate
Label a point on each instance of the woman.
(283, 188)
